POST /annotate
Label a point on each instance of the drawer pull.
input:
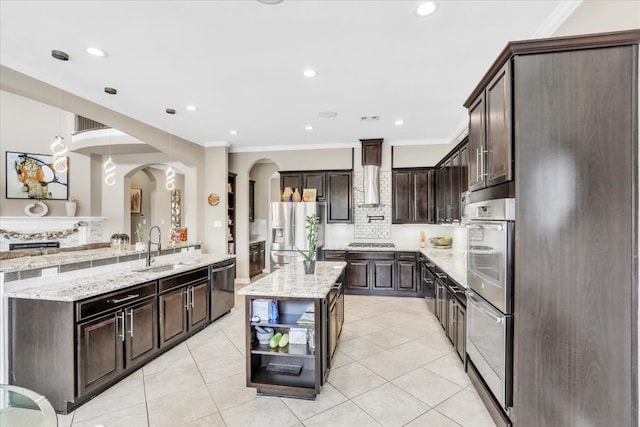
(127, 298)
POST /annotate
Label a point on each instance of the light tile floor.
(394, 367)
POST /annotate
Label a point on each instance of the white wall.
(595, 16)
(30, 126)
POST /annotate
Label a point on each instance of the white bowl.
(264, 337)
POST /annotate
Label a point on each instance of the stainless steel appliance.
(489, 251)
(490, 295)
(223, 276)
(288, 232)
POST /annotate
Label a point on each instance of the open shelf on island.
(296, 350)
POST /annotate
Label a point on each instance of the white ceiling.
(241, 63)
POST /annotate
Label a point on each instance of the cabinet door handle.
(441, 275)
(122, 324)
(131, 322)
(127, 298)
(478, 165)
(187, 304)
(193, 295)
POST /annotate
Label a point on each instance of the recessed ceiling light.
(310, 73)
(399, 122)
(233, 132)
(60, 55)
(327, 114)
(427, 8)
(191, 107)
(308, 127)
(96, 52)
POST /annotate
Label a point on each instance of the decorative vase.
(296, 197)
(71, 207)
(309, 266)
(286, 194)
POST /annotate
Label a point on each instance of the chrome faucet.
(149, 260)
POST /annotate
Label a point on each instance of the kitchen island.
(70, 335)
(307, 307)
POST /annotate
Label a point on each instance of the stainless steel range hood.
(371, 183)
(371, 160)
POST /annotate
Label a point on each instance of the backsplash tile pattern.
(377, 228)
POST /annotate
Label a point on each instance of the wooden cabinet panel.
(464, 168)
(357, 274)
(454, 188)
(461, 333)
(141, 332)
(173, 316)
(476, 143)
(498, 154)
(382, 274)
(577, 151)
(315, 180)
(290, 179)
(198, 305)
(371, 151)
(339, 198)
(252, 201)
(423, 200)
(402, 196)
(407, 276)
(100, 351)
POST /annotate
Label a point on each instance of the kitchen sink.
(159, 268)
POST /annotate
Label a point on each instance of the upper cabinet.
(252, 200)
(451, 182)
(339, 199)
(412, 195)
(490, 132)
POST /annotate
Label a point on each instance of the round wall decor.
(41, 209)
(213, 199)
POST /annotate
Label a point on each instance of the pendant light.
(58, 147)
(170, 173)
(109, 165)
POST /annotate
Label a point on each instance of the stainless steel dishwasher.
(223, 275)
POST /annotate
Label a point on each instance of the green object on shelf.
(284, 341)
(275, 340)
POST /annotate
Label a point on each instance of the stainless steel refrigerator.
(288, 232)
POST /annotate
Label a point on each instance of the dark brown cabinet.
(339, 197)
(451, 176)
(370, 271)
(412, 196)
(257, 254)
(381, 273)
(112, 343)
(290, 179)
(407, 268)
(231, 213)
(252, 201)
(456, 324)
(336, 317)
(315, 180)
(184, 305)
(490, 136)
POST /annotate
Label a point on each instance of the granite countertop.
(346, 247)
(452, 262)
(91, 285)
(291, 281)
(69, 257)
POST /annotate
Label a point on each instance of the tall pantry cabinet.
(575, 116)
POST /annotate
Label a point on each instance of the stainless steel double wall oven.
(490, 295)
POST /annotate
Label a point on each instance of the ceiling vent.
(369, 118)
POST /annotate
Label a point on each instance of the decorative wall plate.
(213, 199)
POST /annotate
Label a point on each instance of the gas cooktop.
(371, 245)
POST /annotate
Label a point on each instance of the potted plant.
(312, 227)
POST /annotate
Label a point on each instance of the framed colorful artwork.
(34, 176)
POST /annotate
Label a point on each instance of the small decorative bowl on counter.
(441, 242)
(264, 334)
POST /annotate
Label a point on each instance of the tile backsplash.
(372, 223)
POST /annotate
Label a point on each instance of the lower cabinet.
(71, 350)
(112, 343)
(381, 272)
(183, 308)
(336, 318)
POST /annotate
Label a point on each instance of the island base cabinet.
(269, 369)
(115, 342)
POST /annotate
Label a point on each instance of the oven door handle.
(476, 302)
(485, 227)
